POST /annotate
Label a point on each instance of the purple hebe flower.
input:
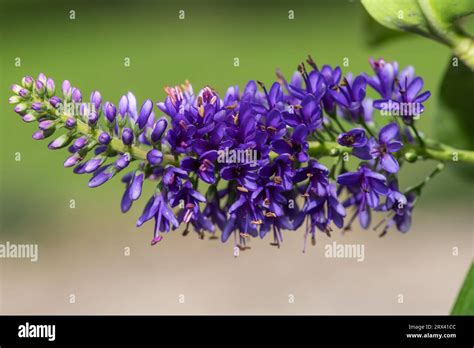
(370, 183)
(382, 148)
(259, 196)
(353, 138)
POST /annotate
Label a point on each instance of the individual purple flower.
(296, 146)
(244, 174)
(317, 176)
(382, 148)
(386, 74)
(349, 96)
(370, 183)
(203, 166)
(308, 114)
(158, 208)
(281, 169)
(76, 95)
(191, 199)
(92, 119)
(353, 138)
(172, 178)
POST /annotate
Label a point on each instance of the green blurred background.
(164, 50)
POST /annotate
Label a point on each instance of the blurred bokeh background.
(81, 250)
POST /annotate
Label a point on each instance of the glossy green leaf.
(464, 304)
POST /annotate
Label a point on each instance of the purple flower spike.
(127, 136)
(158, 130)
(145, 112)
(353, 138)
(104, 138)
(109, 111)
(154, 157)
(96, 99)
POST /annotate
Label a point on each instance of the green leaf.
(453, 120)
(376, 34)
(464, 304)
(436, 19)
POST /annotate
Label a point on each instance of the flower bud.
(159, 129)
(72, 160)
(20, 108)
(127, 136)
(145, 111)
(50, 87)
(37, 106)
(96, 99)
(60, 142)
(102, 176)
(67, 90)
(54, 101)
(14, 99)
(70, 123)
(40, 134)
(30, 117)
(123, 106)
(109, 111)
(40, 88)
(42, 78)
(104, 138)
(16, 89)
(79, 143)
(123, 161)
(154, 157)
(136, 185)
(94, 163)
(47, 124)
(92, 119)
(27, 82)
(76, 95)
